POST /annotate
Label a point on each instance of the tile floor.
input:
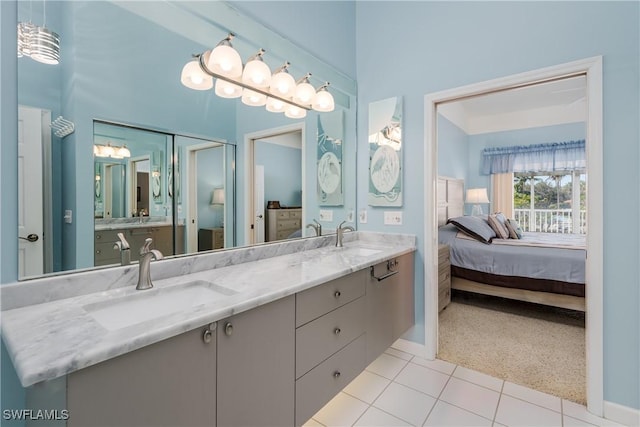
(401, 389)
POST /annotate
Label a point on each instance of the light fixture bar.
(240, 83)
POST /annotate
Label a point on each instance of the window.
(544, 201)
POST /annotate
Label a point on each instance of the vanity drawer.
(326, 380)
(319, 339)
(110, 236)
(321, 299)
(104, 254)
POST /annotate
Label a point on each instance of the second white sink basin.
(150, 304)
(363, 251)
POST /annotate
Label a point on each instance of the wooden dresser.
(444, 277)
(282, 222)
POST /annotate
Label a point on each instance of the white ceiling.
(543, 104)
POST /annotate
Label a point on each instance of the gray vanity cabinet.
(256, 365)
(170, 383)
(390, 303)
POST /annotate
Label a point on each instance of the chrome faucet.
(144, 275)
(140, 215)
(340, 231)
(317, 227)
(123, 246)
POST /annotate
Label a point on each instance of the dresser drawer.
(326, 380)
(319, 339)
(282, 214)
(321, 299)
(289, 223)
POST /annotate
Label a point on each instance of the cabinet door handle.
(337, 331)
(207, 335)
(336, 374)
(228, 329)
(337, 294)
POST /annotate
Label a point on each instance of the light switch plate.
(350, 215)
(68, 216)
(362, 216)
(392, 218)
(326, 215)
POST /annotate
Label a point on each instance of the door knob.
(259, 216)
(30, 238)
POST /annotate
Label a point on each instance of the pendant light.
(39, 43)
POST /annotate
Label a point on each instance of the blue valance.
(555, 156)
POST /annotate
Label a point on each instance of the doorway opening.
(592, 69)
(274, 191)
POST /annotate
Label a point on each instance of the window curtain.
(550, 157)
(502, 193)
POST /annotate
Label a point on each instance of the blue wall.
(453, 150)
(443, 45)
(282, 173)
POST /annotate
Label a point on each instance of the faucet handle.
(147, 246)
(122, 244)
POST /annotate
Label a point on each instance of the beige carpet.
(535, 346)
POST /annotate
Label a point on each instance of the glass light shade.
(304, 94)
(45, 46)
(108, 151)
(253, 98)
(294, 112)
(257, 73)
(225, 60)
(275, 105)
(227, 90)
(123, 152)
(97, 150)
(25, 35)
(194, 78)
(283, 84)
(323, 101)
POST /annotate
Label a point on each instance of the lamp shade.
(253, 98)
(257, 73)
(294, 112)
(283, 84)
(323, 101)
(217, 198)
(225, 89)
(225, 60)
(304, 93)
(194, 78)
(275, 105)
(477, 195)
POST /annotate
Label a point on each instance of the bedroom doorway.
(592, 70)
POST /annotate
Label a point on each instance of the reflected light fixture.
(111, 151)
(476, 196)
(255, 83)
(39, 43)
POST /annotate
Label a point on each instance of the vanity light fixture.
(111, 151)
(255, 83)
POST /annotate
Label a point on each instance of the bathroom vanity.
(269, 340)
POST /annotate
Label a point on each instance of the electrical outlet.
(362, 216)
(392, 218)
(326, 215)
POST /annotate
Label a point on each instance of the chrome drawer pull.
(337, 294)
(228, 329)
(336, 374)
(337, 331)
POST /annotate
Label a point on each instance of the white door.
(30, 202)
(258, 204)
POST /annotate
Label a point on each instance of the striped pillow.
(498, 226)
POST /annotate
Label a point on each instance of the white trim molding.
(621, 414)
(592, 69)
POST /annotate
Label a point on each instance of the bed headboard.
(450, 198)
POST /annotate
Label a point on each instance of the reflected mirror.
(144, 149)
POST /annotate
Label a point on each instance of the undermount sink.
(146, 305)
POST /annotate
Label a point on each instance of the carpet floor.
(536, 346)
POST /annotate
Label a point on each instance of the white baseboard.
(410, 347)
(622, 414)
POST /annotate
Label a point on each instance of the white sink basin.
(150, 304)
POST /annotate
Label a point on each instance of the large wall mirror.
(149, 157)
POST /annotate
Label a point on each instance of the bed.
(543, 268)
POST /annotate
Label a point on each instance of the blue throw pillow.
(475, 226)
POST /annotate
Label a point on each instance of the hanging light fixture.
(39, 43)
(254, 83)
(323, 100)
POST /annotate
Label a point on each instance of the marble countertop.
(51, 339)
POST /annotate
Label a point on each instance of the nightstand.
(210, 238)
(444, 277)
